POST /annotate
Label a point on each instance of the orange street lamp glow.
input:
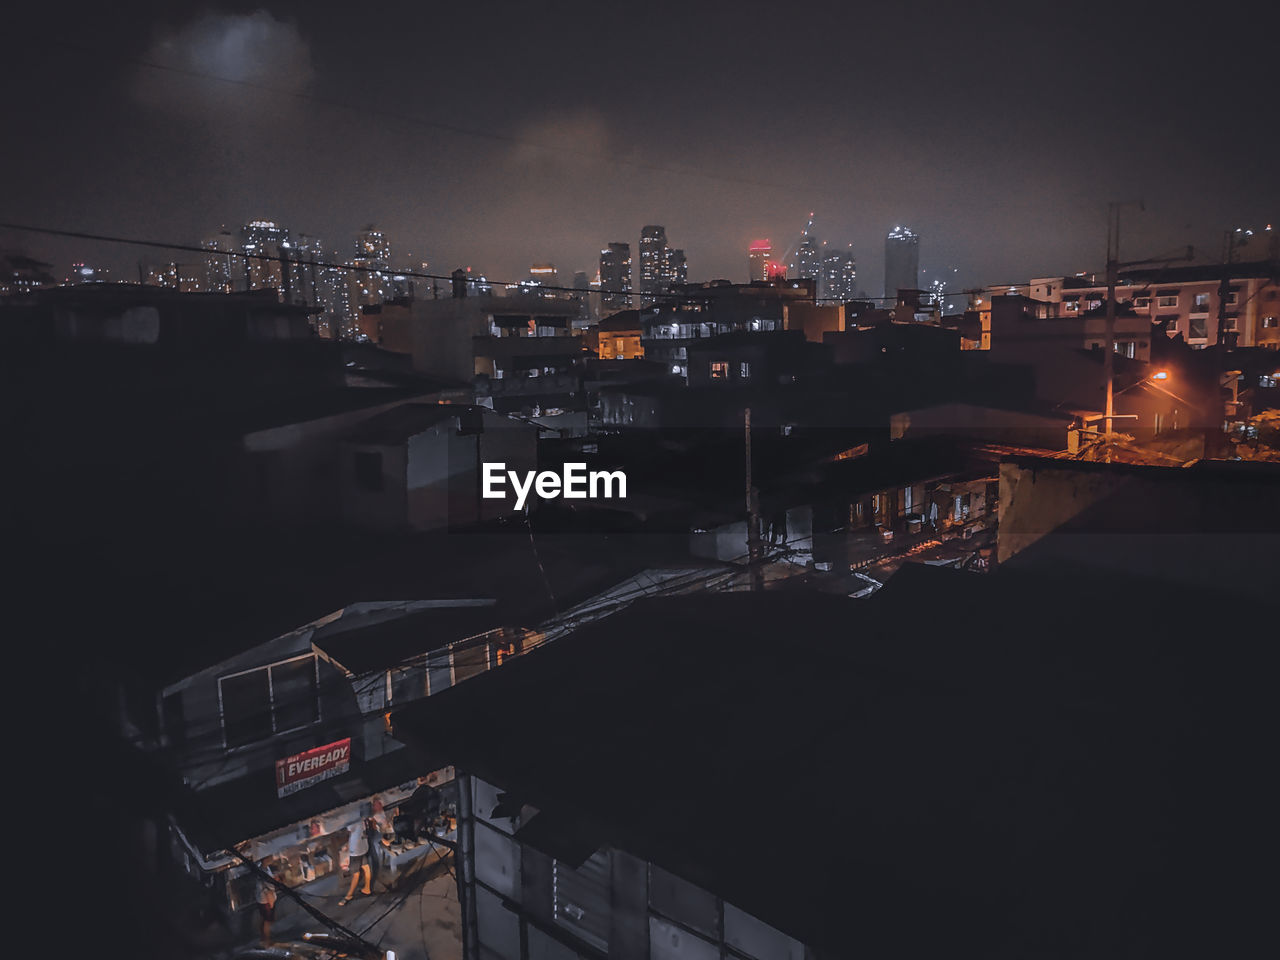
(1161, 375)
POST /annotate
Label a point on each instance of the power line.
(710, 294)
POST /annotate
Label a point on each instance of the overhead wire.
(706, 295)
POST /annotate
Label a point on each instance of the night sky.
(998, 137)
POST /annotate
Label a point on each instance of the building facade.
(901, 262)
(615, 277)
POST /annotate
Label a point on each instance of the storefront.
(305, 853)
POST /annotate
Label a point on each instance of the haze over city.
(999, 140)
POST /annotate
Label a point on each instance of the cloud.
(247, 63)
(561, 144)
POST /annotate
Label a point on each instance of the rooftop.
(375, 646)
(954, 747)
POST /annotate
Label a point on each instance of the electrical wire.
(709, 297)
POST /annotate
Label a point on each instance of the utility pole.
(753, 515)
(1113, 274)
(1113, 270)
(1234, 238)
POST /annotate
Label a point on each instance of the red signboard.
(311, 766)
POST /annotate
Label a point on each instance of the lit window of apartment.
(744, 370)
(1200, 304)
(1269, 323)
(720, 370)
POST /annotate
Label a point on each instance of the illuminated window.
(720, 370)
(1201, 303)
(744, 370)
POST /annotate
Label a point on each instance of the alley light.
(1160, 375)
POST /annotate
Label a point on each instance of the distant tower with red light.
(759, 259)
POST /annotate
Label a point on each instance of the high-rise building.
(677, 267)
(223, 270)
(304, 286)
(654, 262)
(370, 277)
(839, 279)
(759, 257)
(615, 276)
(262, 244)
(544, 275)
(335, 289)
(371, 244)
(807, 262)
(901, 262)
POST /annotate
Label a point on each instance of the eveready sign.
(311, 766)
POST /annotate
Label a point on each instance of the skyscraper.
(305, 281)
(839, 279)
(335, 295)
(677, 267)
(615, 276)
(544, 274)
(263, 243)
(654, 265)
(223, 272)
(901, 261)
(371, 280)
(807, 262)
(759, 256)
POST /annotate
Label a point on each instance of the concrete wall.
(982, 423)
(1205, 529)
(653, 915)
(294, 471)
(369, 509)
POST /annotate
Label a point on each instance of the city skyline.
(197, 119)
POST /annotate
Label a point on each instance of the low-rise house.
(282, 747)
(616, 337)
(961, 788)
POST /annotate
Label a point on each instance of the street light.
(1160, 375)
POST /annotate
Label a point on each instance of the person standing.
(266, 903)
(358, 848)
